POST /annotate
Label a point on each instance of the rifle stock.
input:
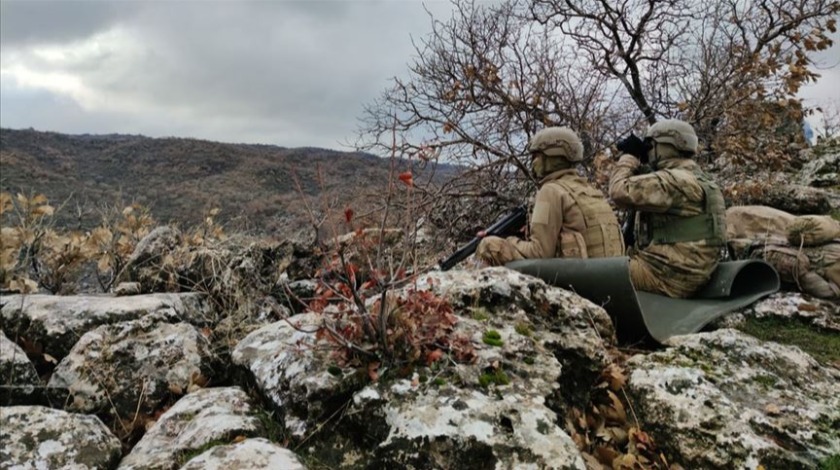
(512, 221)
(627, 229)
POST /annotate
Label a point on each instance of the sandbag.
(757, 222)
(812, 230)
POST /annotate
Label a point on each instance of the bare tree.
(480, 86)
(484, 81)
(731, 68)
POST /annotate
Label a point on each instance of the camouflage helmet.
(678, 133)
(557, 142)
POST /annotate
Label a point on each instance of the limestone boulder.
(36, 437)
(823, 171)
(727, 400)
(53, 324)
(292, 371)
(199, 419)
(144, 264)
(20, 382)
(135, 367)
(822, 314)
(499, 409)
(250, 454)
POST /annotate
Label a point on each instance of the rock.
(250, 454)
(501, 408)
(20, 380)
(291, 372)
(820, 313)
(194, 422)
(462, 426)
(794, 198)
(127, 288)
(823, 171)
(55, 323)
(134, 367)
(35, 437)
(582, 333)
(727, 400)
(144, 265)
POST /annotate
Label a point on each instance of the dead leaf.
(625, 462)
(592, 462)
(239, 439)
(198, 379)
(615, 377)
(50, 359)
(620, 414)
(606, 455)
(807, 307)
(772, 410)
(176, 389)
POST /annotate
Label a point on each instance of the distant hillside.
(180, 179)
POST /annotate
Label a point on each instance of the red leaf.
(433, 356)
(348, 214)
(406, 178)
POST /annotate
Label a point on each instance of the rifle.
(627, 228)
(506, 225)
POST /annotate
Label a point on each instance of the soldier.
(680, 222)
(571, 219)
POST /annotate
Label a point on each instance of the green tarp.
(639, 315)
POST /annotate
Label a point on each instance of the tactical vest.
(667, 228)
(602, 235)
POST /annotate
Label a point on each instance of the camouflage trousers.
(496, 251)
(813, 270)
(645, 279)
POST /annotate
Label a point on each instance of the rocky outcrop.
(55, 323)
(20, 380)
(134, 367)
(250, 454)
(35, 437)
(291, 371)
(144, 264)
(548, 347)
(794, 198)
(823, 171)
(199, 419)
(821, 314)
(727, 400)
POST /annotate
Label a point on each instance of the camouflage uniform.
(571, 219)
(666, 261)
(804, 250)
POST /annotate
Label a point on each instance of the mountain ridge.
(180, 179)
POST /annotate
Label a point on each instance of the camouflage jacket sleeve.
(675, 191)
(546, 223)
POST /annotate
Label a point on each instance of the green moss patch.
(824, 346)
(493, 338)
(497, 377)
(831, 463)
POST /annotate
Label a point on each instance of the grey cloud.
(300, 65)
(55, 21)
(292, 73)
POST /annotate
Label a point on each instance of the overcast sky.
(284, 72)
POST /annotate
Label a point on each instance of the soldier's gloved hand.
(629, 161)
(633, 145)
